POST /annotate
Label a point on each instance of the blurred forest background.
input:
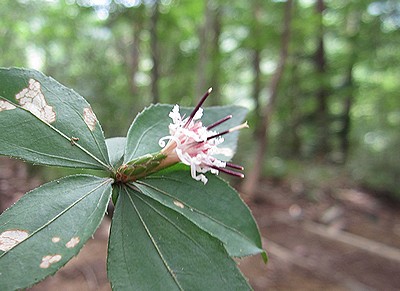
(321, 80)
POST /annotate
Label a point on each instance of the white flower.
(195, 145)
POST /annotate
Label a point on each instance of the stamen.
(227, 171)
(234, 166)
(215, 124)
(218, 134)
(198, 106)
(189, 143)
(243, 125)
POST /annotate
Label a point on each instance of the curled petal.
(162, 140)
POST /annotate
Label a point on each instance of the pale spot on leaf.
(48, 260)
(5, 105)
(55, 239)
(179, 204)
(32, 99)
(10, 238)
(74, 140)
(90, 118)
(72, 242)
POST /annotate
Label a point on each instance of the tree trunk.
(346, 120)
(295, 116)
(256, 33)
(204, 39)
(352, 32)
(322, 114)
(215, 54)
(154, 52)
(137, 27)
(257, 80)
(252, 179)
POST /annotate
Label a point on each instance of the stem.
(139, 167)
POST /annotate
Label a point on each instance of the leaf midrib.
(69, 139)
(177, 227)
(197, 211)
(132, 155)
(153, 241)
(59, 215)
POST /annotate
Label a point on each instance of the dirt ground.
(338, 239)
(347, 239)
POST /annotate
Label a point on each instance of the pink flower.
(195, 145)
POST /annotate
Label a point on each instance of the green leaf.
(43, 122)
(53, 222)
(152, 124)
(152, 247)
(215, 207)
(116, 150)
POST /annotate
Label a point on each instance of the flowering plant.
(190, 143)
(168, 231)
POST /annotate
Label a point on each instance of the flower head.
(195, 145)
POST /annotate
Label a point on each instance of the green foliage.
(51, 136)
(91, 48)
(169, 231)
(169, 252)
(379, 170)
(53, 222)
(213, 214)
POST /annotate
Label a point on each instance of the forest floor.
(338, 238)
(343, 239)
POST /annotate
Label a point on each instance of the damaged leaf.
(48, 226)
(43, 122)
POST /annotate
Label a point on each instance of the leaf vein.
(153, 240)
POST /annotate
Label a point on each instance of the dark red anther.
(215, 124)
(234, 166)
(227, 171)
(198, 106)
(218, 134)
